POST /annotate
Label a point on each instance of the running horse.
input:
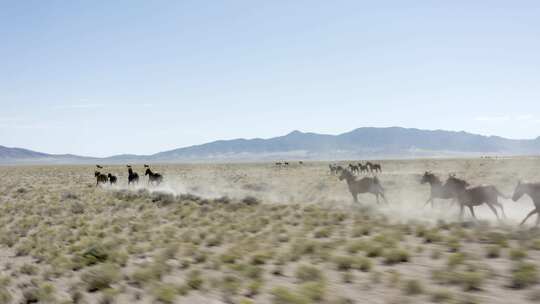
(153, 178)
(533, 191)
(365, 185)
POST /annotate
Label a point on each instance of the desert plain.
(256, 233)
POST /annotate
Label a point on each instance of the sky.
(100, 78)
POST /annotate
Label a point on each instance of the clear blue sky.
(108, 77)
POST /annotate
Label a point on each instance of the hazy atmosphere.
(101, 78)
(269, 152)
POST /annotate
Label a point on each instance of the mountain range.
(361, 143)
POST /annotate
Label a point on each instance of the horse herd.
(359, 168)
(133, 177)
(456, 189)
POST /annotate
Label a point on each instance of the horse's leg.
(461, 211)
(472, 211)
(529, 215)
(494, 210)
(384, 198)
(502, 209)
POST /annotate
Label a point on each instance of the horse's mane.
(458, 181)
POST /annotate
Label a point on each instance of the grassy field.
(254, 233)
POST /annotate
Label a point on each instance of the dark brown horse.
(133, 177)
(153, 178)
(100, 178)
(476, 196)
(364, 185)
(438, 190)
(533, 191)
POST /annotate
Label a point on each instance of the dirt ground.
(255, 233)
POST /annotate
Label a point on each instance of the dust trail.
(313, 184)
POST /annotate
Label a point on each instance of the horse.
(376, 168)
(133, 177)
(335, 169)
(369, 166)
(364, 185)
(153, 178)
(112, 178)
(476, 196)
(353, 168)
(438, 190)
(100, 178)
(533, 191)
(362, 168)
(278, 164)
(99, 167)
(332, 168)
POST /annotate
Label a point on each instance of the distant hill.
(359, 143)
(19, 155)
(394, 142)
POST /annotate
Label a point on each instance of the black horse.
(100, 178)
(112, 178)
(153, 178)
(363, 168)
(376, 168)
(133, 177)
(533, 191)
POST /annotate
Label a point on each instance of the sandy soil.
(248, 233)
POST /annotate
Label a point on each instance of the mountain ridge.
(365, 142)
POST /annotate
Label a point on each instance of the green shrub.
(194, 280)
(28, 269)
(524, 275)
(363, 264)
(396, 255)
(413, 287)
(471, 280)
(94, 254)
(254, 288)
(323, 233)
(165, 293)
(5, 295)
(441, 296)
(517, 254)
(456, 259)
(314, 291)
(306, 273)
(282, 295)
(100, 277)
(453, 245)
(344, 263)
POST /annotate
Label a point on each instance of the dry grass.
(251, 233)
